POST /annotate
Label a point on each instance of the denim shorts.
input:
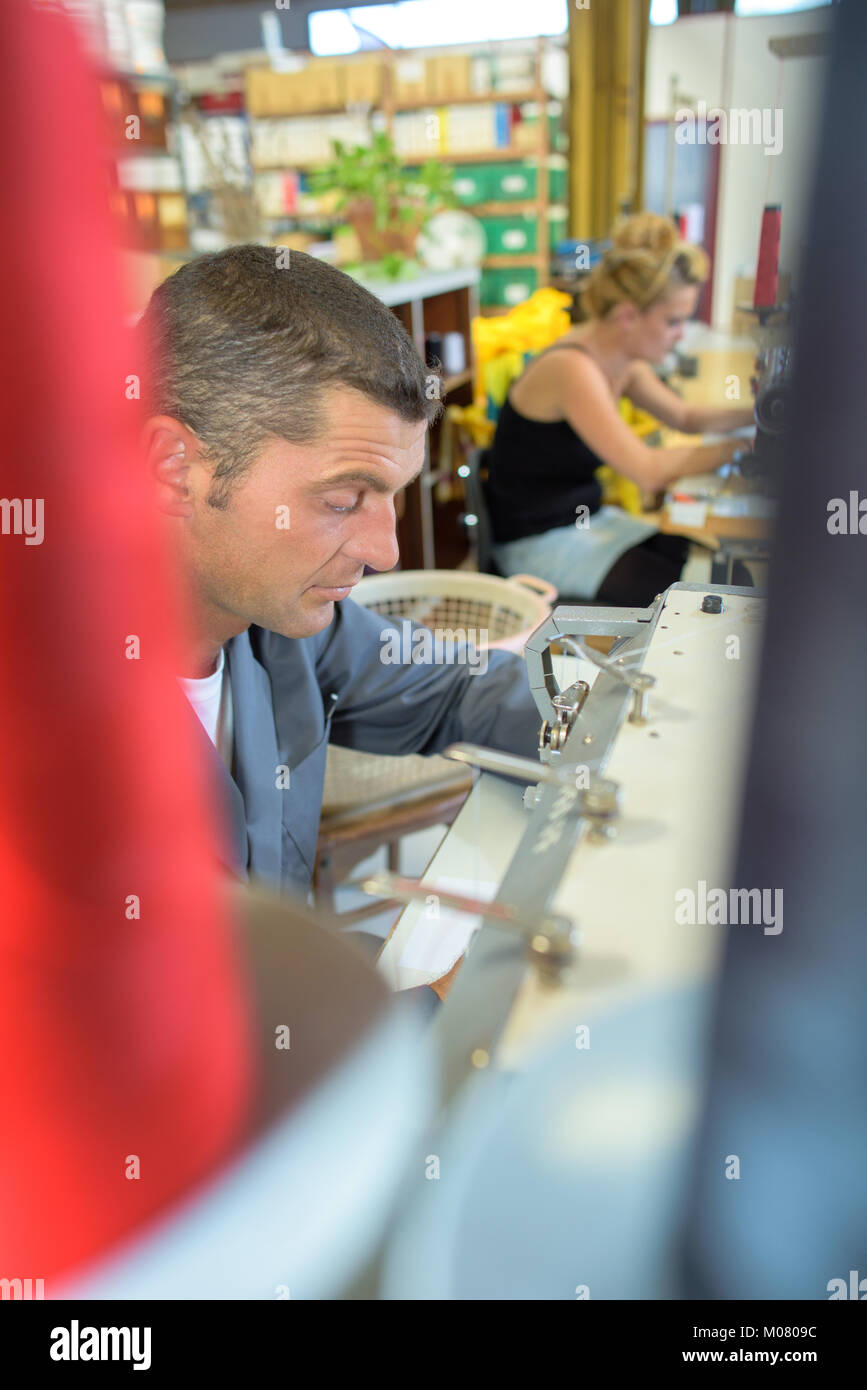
(575, 558)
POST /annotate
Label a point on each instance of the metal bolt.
(602, 798)
(638, 713)
(553, 952)
(601, 806)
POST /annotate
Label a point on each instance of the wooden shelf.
(482, 156)
(451, 383)
(411, 160)
(506, 260)
(423, 104)
(506, 209)
(475, 99)
(288, 166)
(358, 108)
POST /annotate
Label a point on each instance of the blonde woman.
(560, 422)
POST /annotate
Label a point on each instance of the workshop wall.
(725, 61)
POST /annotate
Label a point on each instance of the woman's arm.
(589, 408)
(644, 388)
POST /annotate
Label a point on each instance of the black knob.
(711, 603)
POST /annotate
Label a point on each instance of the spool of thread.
(454, 353)
(433, 349)
(765, 296)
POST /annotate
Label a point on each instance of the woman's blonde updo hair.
(646, 261)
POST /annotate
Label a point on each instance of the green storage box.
(508, 286)
(514, 182)
(558, 225)
(558, 176)
(489, 287)
(510, 235)
(472, 183)
(518, 283)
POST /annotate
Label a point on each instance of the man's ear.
(169, 447)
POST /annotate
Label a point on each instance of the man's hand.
(442, 986)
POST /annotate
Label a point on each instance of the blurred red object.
(124, 1029)
(767, 269)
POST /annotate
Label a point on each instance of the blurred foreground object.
(204, 1091)
(124, 1030)
(347, 1090)
(788, 1092)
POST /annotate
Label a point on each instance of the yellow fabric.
(529, 327)
(473, 421)
(618, 491)
(499, 374)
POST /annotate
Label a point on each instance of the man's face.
(303, 521)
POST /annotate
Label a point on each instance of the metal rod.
(508, 764)
(411, 890)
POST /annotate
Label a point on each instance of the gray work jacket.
(292, 695)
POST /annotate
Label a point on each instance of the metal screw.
(601, 806)
(602, 798)
(553, 952)
(638, 713)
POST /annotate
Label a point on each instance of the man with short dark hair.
(286, 408)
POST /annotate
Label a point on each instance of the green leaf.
(392, 264)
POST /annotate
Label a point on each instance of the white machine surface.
(572, 1094)
(680, 775)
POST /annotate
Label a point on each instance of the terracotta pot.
(377, 242)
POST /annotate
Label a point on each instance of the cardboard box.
(449, 78)
(326, 84)
(256, 84)
(362, 81)
(409, 80)
(289, 93)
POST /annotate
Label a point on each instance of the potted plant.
(385, 204)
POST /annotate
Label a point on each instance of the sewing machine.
(772, 386)
(638, 776)
(563, 883)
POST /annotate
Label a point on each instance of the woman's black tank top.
(539, 472)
